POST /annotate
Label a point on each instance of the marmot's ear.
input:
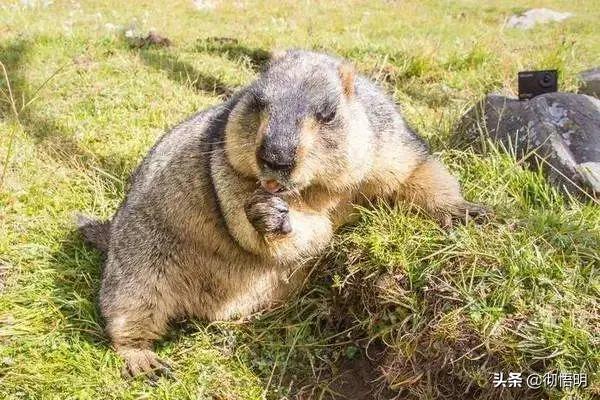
(347, 73)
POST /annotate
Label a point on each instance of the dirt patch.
(361, 378)
(356, 378)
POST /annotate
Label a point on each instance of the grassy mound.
(434, 314)
(396, 302)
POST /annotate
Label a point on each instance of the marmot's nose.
(276, 158)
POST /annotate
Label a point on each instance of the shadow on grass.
(235, 51)
(76, 288)
(78, 268)
(185, 73)
(49, 135)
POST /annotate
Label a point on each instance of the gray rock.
(590, 82)
(36, 3)
(557, 132)
(530, 18)
(204, 5)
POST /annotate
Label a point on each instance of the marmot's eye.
(325, 116)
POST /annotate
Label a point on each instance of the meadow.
(397, 304)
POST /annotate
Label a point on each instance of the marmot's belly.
(223, 290)
(249, 292)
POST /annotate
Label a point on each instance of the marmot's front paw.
(269, 214)
(144, 362)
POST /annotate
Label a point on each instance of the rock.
(590, 82)
(111, 27)
(36, 3)
(557, 132)
(529, 18)
(204, 4)
(8, 361)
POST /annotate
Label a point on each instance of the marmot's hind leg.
(436, 191)
(132, 330)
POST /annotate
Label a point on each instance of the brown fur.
(198, 236)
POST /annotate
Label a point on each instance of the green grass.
(517, 294)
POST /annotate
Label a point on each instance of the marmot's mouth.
(272, 186)
(275, 186)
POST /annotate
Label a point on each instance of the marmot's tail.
(95, 232)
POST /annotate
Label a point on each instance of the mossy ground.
(517, 294)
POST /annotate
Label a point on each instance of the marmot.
(227, 206)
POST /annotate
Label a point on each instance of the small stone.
(36, 3)
(110, 27)
(130, 33)
(204, 5)
(7, 361)
(530, 18)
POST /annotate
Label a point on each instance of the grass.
(517, 294)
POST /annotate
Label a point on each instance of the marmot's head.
(299, 125)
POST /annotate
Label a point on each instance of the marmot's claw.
(145, 362)
(268, 213)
